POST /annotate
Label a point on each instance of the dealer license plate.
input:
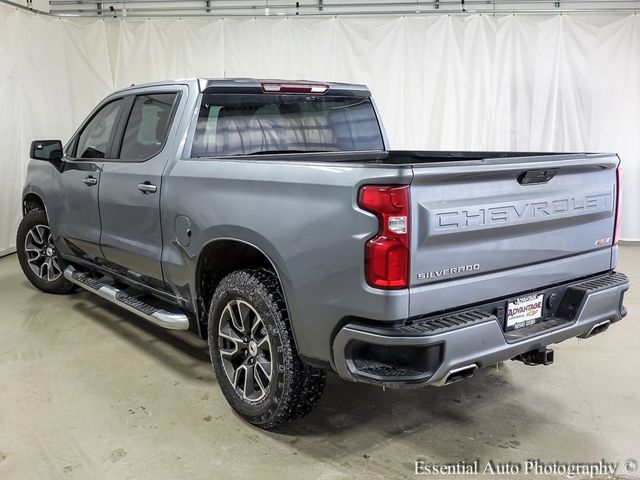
(523, 311)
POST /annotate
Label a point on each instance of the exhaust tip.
(598, 328)
(458, 374)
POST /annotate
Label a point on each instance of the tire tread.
(304, 384)
(59, 286)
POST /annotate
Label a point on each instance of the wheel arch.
(32, 201)
(222, 256)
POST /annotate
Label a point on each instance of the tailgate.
(489, 219)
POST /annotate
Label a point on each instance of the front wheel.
(38, 255)
(253, 353)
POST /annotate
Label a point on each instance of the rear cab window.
(147, 126)
(250, 124)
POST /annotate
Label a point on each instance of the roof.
(253, 85)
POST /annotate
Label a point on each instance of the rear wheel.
(253, 353)
(38, 255)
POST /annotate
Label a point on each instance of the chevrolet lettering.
(523, 212)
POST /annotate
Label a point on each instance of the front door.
(130, 186)
(74, 213)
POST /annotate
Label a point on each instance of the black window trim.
(73, 144)
(116, 145)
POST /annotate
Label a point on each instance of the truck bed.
(417, 157)
(412, 157)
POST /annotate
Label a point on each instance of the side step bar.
(162, 318)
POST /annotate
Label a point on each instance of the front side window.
(147, 126)
(94, 139)
(267, 123)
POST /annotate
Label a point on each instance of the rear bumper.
(426, 351)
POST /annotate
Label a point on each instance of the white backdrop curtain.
(51, 74)
(562, 83)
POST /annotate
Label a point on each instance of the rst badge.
(523, 311)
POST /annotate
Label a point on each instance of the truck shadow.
(357, 426)
(401, 412)
(487, 417)
(190, 356)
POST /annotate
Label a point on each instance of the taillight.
(318, 89)
(387, 254)
(616, 230)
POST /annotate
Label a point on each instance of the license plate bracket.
(523, 311)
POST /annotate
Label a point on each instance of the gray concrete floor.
(87, 391)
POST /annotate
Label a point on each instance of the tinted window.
(94, 139)
(147, 126)
(251, 124)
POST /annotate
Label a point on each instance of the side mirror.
(50, 150)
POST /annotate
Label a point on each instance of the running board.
(162, 318)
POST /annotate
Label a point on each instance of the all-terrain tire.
(294, 388)
(38, 256)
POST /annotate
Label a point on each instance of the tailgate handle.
(537, 176)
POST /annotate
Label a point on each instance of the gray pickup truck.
(271, 218)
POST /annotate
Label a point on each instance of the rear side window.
(254, 124)
(147, 126)
(94, 139)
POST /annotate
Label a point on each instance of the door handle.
(90, 181)
(147, 187)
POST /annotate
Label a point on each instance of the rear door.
(486, 228)
(130, 186)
